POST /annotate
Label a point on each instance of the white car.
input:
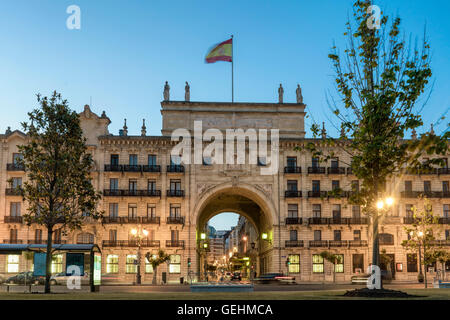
(61, 278)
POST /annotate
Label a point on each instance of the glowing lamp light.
(244, 238)
(264, 236)
(246, 258)
(389, 201)
(203, 236)
(205, 245)
(145, 232)
(420, 233)
(380, 204)
(133, 232)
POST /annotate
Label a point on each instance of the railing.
(175, 168)
(338, 243)
(113, 167)
(336, 170)
(13, 219)
(13, 192)
(428, 194)
(292, 194)
(440, 243)
(294, 220)
(122, 220)
(13, 241)
(175, 220)
(175, 193)
(318, 243)
(132, 168)
(150, 220)
(293, 243)
(15, 167)
(318, 170)
(337, 220)
(151, 168)
(423, 171)
(174, 243)
(131, 193)
(289, 169)
(443, 170)
(317, 194)
(130, 243)
(410, 220)
(40, 241)
(357, 243)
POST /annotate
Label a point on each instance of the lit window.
(131, 266)
(13, 263)
(317, 263)
(148, 265)
(175, 263)
(339, 266)
(112, 263)
(57, 263)
(294, 263)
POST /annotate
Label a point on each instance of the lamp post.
(420, 236)
(139, 234)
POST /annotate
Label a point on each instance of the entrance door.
(384, 267)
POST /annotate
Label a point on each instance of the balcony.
(13, 241)
(337, 221)
(292, 169)
(150, 220)
(443, 170)
(132, 168)
(338, 243)
(151, 168)
(316, 170)
(175, 168)
(175, 193)
(120, 220)
(175, 220)
(131, 243)
(174, 243)
(292, 194)
(113, 168)
(293, 220)
(15, 167)
(131, 193)
(428, 194)
(317, 194)
(318, 243)
(440, 243)
(422, 171)
(357, 243)
(13, 219)
(336, 170)
(13, 192)
(40, 241)
(410, 220)
(293, 243)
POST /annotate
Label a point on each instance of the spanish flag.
(221, 52)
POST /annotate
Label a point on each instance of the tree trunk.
(155, 271)
(48, 260)
(375, 243)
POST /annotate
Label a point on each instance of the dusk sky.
(126, 50)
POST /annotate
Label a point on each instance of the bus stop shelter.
(92, 249)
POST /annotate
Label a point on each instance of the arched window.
(85, 238)
(386, 239)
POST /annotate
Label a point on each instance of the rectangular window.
(409, 210)
(112, 235)
(38, 235)
(294, 263)
(335, 185)
(15, 209)
(293, 235)
(445, 186)
(291, 162)
(175, 185)
(175, 210)
(317, 235)
(152, 160)
(132, 185)
(114, 184)
(13, 235)
(16, 182)
(292, 185)
(317, 263)
(408, 186)
(115, 159)
(339, 266)
(427, 186)
(133, 160)
(337, 235)
(292, 210)
(447, 234)
(358, 263)
(411, 262)
(174, 235)
(148, 265)
(356, 212)
(12, 263)
(151, 211)
(317, 210)
(112, 263)
(336, 211)
(334, 162)
(131, 266)
(132, 210)
(357, 235)
(113, 210)
(315, 162)
(316, 185)
(151, 185)
(175, 263)
(355, 185)
(57, 263)
(17, 157)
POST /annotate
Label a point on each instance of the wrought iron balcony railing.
(337, 220)
(292, 169)
(150, 220)
(15, 167)
(175, 193)
(131, 193)
(293, 220)
(174, 243)
(357, 243)
(292, 194)
(316, 170)
(317, 194)
(336, 170)
(113, 167)
(293, 243)
(151, 168)
(132, 168)
(131, 243)
(175, 168)
(428, 194)
(13, 219)
(13, 192)
(338, 243)
(175, 220)
(318, 243)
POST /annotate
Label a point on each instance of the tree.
(156, 260)
(443, 257)
(58, 190)
(379, 79)
(386, 260)
(421, 236)
(332, 258)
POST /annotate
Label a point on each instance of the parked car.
(25, 277)
(386, 277)
(61, 278)
(236, 276)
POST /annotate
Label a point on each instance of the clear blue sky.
(125, 51)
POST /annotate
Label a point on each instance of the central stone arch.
(245, 199)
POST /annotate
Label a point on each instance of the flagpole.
(232, 71)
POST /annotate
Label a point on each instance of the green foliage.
(331, 257)
(156, 260)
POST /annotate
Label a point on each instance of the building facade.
(291, 210)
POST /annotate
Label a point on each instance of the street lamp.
(139, 234)
(420, 236)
